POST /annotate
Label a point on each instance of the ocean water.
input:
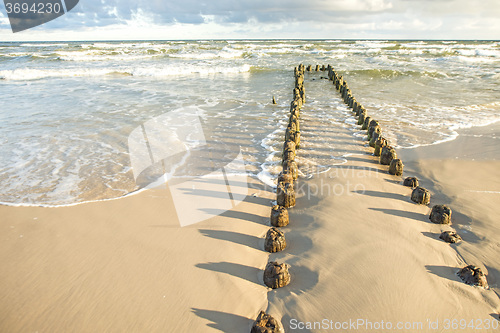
(68, 109)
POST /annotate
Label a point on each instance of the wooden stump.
(275, 240)
(276, 275)
(374, 138)
(387, 155)
(285, 177)
(266, 324)
(299, 80)
(373, 129)
(411, 182)
(355, 105)
(288, 155)
(351, 101)
(450, 237)
(421, 196)
(293, 120)
(289, 145)
(396, 167)
(361, 109)
(285, 195)
(339, 82)
(361, 117)
(291, 127)
(366, 123)
(279, 216)
(379, 144)
(294, 107)
(440, 214)
(293, 135)
(474, 276)
(291, 167)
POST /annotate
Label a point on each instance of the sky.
(267, 19)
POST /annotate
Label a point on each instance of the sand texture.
(127, 266)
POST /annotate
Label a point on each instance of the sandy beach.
(127, 266)
(359, 249)
(374, 257)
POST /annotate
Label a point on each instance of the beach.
(127, 265)
(360, 251)
(377, 257)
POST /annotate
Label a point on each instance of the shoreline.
(460, 132)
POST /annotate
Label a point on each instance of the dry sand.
(127, 266)
(359, 249)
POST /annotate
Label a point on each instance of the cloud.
(278, 19)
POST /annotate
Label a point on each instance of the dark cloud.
(99, 12)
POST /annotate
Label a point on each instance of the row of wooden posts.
(276, 275)
(440, 214)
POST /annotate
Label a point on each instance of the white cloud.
(390, 25)
(194, 19)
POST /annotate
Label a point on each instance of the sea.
(81, 121)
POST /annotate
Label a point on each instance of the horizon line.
(255, 39)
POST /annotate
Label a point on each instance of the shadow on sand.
(445, 272)
(380, 194)
(231, 236)
(242, 271)
(223, 321)
(403, 213)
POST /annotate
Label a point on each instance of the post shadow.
(380, 194)
(223, 321)
(445, 272)
(433, 235)
(236, 215)
(402, 213)
(244, 272)
(231, 236)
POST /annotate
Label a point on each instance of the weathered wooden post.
(379, 144)
(473, 275)
(275, 240)
(440, 214)
(411, 182)
(387, 154)
(265, 323)
(279, 216)
(421, 196)
(396, 167)
(276, 275)
(285, 195)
